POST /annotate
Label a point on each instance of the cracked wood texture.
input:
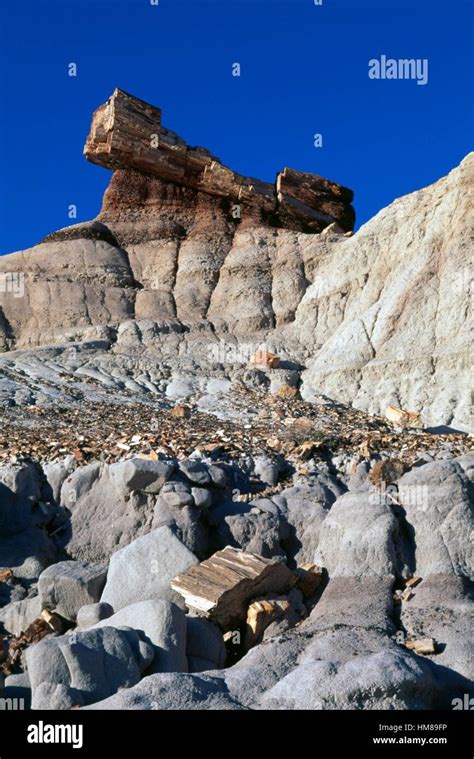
(221, 587)
(127, 133)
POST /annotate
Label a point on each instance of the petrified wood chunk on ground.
(424, 646)
(310, 577)
(260, 615)
(127, 134)
(221, 587)
(265, 359)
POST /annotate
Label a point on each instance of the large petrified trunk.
(221, 587)
(127, 133)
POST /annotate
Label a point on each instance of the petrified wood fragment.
(127, 133)
(260, 615)
(221, 587)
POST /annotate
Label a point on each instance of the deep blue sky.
(304, 70)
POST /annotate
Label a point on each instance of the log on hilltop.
(127, 133)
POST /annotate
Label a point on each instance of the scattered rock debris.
(260, 422)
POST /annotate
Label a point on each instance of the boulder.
(259, 533)
(266, 470)
(85, 667)
(140, 475)
(196, 472)
(18, 686)
(163, 624)
(143, 570)
(383, 680)
(28, 553)
(172, 691)
(68, 585)
(17, 616)
(90, 614)
(361, 536)
(217, 475)
(205, 647)
(20, 492)
(105, 513)
(305, 507)
(438, 500)
(56, 472)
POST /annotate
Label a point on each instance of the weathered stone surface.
(90, 614)
(137, 475)
(173, 691)
(56, 472)
(18, 615)
(322, 684)
(360, 537)
(73, 289)
(389, 319)
(369, 319)
(166, 298)
(305, 507)
(106, 513)
(88, 666)
(340, 658)
(144, 569)
(68, 585)
(18, 686)
(221, 587)
(20, 491)
(164, 626)
(345, 655)
(28, 553)
(439, 500)
(259, 533)
(205, 647)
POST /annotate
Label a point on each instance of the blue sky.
(304, 70)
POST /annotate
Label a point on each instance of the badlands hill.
(182, 527)
(187, 260)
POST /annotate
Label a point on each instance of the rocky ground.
(184, 527)
(104, 503)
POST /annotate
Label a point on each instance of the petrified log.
(127, 133)
(221, 587)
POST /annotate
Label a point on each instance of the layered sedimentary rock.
(166, 276)
(127, 134)
(389, 317)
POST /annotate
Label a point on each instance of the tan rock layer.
(127, 133)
